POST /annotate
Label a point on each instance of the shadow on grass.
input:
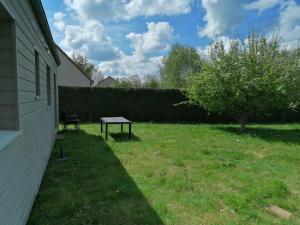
(268, 134)
(120, 137)
(90, 187)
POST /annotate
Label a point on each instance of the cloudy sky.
(125, 37)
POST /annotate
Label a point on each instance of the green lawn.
(172, 174)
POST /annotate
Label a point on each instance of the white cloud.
(139, 62)
(89, 39)
(221, 16)
(104, 10)
(205, 51)
(262, 5)
(289, 23)
(59, 22)
(136, 8)
(132, 64)
(155, 39)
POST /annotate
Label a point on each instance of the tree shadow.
(268, 134)
(90, 187)
(121, 137)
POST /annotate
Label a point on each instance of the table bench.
(114, 120)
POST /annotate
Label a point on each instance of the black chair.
(70, 119)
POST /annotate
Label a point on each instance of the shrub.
(157, 105)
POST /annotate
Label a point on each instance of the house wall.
(23, 161)
(69, 74)
(108, 82)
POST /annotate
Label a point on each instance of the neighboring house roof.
(42, 20)
(65, 54)
(107, 82)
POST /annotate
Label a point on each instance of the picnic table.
(114, 120)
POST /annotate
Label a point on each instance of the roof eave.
(42, 20)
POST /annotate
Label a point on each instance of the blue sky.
(126, 37)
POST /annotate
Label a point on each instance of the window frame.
(55, 99)
(37, 73)
(48, 77)
(7, 136)
(13, 27)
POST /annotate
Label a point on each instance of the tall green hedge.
(160, 105)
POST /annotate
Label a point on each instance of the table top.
(114, 120)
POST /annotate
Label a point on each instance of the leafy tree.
(83, 63)
(248, 79)
(133, 81)
(152, 82)
(181, 61)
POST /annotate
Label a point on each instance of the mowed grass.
(172, 174)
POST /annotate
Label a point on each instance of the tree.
(152, 82)
(248, 79)
(133, 81)
(181, 61)
(83, 63)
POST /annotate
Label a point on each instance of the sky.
(128, 37)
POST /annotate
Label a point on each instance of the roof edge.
(43, 22)
(105, 80)
(65, 54)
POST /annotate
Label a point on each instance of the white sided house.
(69, 74)
(107, 82)
(28, 105)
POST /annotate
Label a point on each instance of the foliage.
(83, 63)
(152, 82)
(248, 80)
(145, 105)
(133, 103)
(172, 174)
(181, 61)
(133, 81)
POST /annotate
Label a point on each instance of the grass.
(172, 174)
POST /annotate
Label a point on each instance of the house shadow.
(90, 187)
(268, 134)
(121, 137)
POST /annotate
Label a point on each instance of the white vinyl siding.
(23, 161)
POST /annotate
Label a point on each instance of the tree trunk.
(242, 120)
(243, 126)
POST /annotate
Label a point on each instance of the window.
(37, 73)
(48, 85)
(55, 99)
(9, 116)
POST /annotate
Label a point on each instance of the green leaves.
(247, 80)
(178, 65)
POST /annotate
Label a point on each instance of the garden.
(221, 147)
(172, 174)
